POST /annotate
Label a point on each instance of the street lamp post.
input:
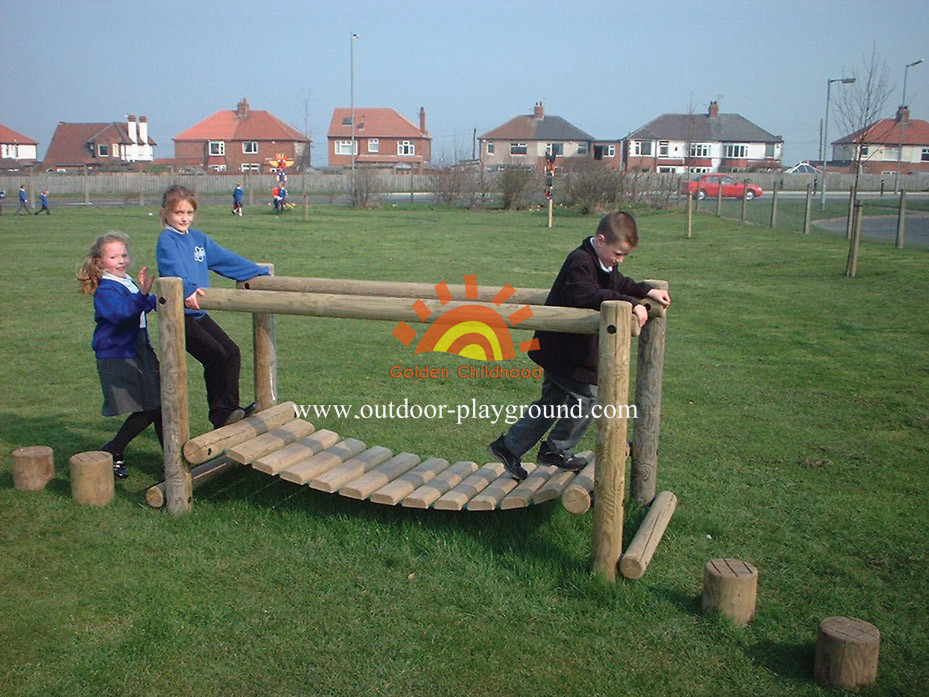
(900, 122)
(352, 90)
(844, 81)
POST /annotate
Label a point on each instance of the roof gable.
(255, 124)
(372, 122)
(726, 128)
(69, 143)
(8, 135)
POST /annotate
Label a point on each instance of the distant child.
(238, 193)
(276, 199)
(282, 193)
(43, 199)
(2, 196)
(588, 277)
(190, 254)
(126, 363)
(23, 200)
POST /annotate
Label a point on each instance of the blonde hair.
(90, 271)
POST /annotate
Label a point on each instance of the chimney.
(903, 114)
(538, 111)
(241, 109)
(422, 121)
(714, 110)
(143, 130)
(131, 127)
(361, 123)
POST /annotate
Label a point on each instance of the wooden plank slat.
(209, 445)
(522, 495)
(578, 495)
(558, 482)
(351, 469)
(305, 470)
(400, 487)
(456, 499)
(380, 476)
(293, 453)
(424, 495)
(267, 443)
(490, 497)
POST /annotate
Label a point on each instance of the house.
(95, 145)
(528, 138)
(242, 140)
(16, 150)
(382, 137)
(881, 142)
(699, 143)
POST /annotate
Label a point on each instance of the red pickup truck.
(707, 186)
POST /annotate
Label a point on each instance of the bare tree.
(858, 107)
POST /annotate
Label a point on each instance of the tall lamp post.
(844, 81)
(352, 89)
(900, 121)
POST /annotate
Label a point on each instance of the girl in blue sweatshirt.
(126, 363)
(191, 255)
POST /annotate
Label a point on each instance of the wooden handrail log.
(554, 319)
(404, 289)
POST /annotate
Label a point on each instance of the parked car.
(708, 186)
(802, 168)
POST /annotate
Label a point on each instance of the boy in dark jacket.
(588, 277)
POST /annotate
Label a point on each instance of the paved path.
(884, 227)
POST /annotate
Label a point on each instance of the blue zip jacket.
(194, 255)
(116, 312)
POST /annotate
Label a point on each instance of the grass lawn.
(795, 434)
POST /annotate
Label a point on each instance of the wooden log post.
(174, 399)
(610, 473)
(901, 221)
(264, 344)
(690, 215)
(729, 589)
(851, 267)
(647, 425)
(852, 197)
(635, 561)
(33, 467)
(719, 197)
(808, 211)
(744, 204)
(92, 478)
(773, 221)
(847, 652)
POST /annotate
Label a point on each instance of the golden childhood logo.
(468, 330)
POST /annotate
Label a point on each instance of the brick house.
(16, 150)
(527, 139)
(383, 138)
(241, 140)
(699, 143)
(880, 145)
(95, 145)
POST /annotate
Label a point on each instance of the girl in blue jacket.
(126, 362)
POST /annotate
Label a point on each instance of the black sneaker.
(509, 460)
(250, 409)
(119, 467)
(548, 456)
(234, 416)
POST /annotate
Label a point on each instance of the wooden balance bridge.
(278, 443)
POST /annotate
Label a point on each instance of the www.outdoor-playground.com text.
(510, 413)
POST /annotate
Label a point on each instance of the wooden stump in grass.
(33, 467)
(729, 589)
(846, 653)
(92, 478)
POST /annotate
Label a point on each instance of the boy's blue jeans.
(557, 390)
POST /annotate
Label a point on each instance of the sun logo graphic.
(469, 330)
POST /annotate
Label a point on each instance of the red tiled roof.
(257, 124)
(887, 131)
(69, 144)
(372, 122)
(8, 135)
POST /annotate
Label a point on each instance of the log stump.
(92, 478)
(846, 653)
(729, 589)
(33, 467)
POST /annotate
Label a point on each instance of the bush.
(517, 184)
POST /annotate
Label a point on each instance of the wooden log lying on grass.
(635, 561)
(200, 475)
(209, 445)
(33, 467)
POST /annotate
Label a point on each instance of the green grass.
(795, 433)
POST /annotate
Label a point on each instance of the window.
(865, 150)
(518, 149)
(583, 148)
(699, 149)
(374, 145)
(891, 153)
(250, 147)
(662, 148)
(556, 149)
(642, 148)
(217, 168)
(490, 147)
(251, 167)
(114, 150)
(924, 157)
(103, 150)
(346, 120)
(735, 152)
(217, 148)
(610, 151)
(666, 170)
(406, 148)
(699, 170)
(344, 147)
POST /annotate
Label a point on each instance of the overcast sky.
(607, 67)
